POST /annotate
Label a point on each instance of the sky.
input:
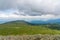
(29, 10)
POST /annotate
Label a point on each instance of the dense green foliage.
(22, 28)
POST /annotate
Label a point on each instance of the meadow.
(22, 28)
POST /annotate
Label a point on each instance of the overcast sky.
(29, 9)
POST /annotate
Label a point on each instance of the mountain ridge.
(57, 21)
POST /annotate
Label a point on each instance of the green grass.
(25, 29)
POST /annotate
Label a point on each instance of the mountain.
(54, 21)
(21, 27)
(16, 22)
(57, 21)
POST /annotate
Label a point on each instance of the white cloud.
(30, 9)
(27, 17)
(39, 7)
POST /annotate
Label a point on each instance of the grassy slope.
(23, 29)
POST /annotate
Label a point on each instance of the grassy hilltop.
(24, 28)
